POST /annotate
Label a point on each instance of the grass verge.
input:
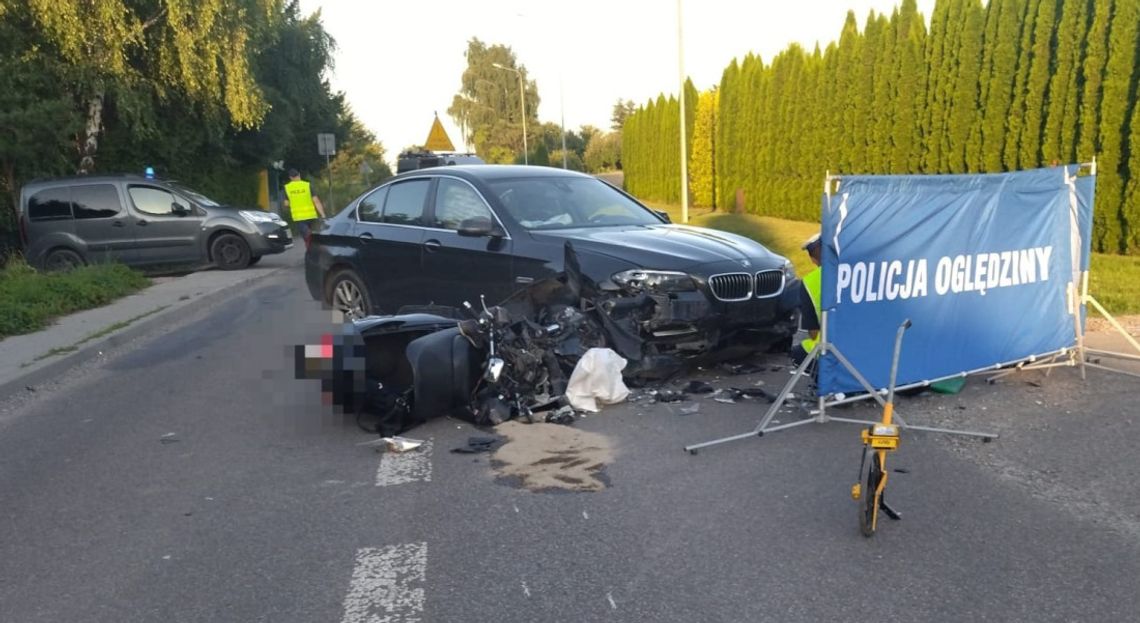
(1113, 279)
(29, 299)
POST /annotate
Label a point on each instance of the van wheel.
(230, 252)
(347, 295)
(62, 259)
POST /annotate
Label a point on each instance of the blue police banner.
(981, 264)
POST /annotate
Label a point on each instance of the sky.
(399, 63)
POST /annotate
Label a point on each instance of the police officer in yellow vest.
(304, 206)
(810, 301)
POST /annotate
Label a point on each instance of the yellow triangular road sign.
(437, 138)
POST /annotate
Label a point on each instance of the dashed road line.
(397, 468)
(387, 585)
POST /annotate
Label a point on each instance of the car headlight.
(637, 279)
(789, 271)
(261, 217)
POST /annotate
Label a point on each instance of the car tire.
(230, 252)
(62, 260)
(345, 293)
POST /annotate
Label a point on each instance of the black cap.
(294, 173)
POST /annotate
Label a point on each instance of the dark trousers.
(305, 230)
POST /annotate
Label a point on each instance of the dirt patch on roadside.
(553, 456)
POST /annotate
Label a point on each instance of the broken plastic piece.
(669, 395)
(477, 444)
(699, 387)
(395, 444)
(691, 409)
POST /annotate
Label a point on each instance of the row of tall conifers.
(1002, 86)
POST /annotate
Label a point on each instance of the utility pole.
(684, 152)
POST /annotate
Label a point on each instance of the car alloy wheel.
(348, 299)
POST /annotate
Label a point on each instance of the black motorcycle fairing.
(444, 367)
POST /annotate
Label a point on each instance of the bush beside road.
(30, 299)
(1113, 279)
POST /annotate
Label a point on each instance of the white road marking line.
(387, 585)
(610, 596)
(397, 468)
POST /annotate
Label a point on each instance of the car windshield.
(561, 203)
(198, 198)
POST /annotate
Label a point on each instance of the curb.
(46, 373)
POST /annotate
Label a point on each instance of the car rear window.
(405, 204)
(50, 205)
(95, 201)
(371, 208)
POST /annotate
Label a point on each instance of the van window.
(50, 205)
(95, 201)
(156, 201)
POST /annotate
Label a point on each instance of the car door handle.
(118, 224)
(142, 222)
(365, 236)
(433, 246)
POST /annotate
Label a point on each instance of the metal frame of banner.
(820, 415)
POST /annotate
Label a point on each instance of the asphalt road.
(188, 477)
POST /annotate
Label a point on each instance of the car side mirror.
(665, 215)
(479, 227)
(179, 209)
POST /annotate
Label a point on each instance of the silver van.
(140, 221)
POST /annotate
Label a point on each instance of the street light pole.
(684, 152)
(562, 107)
(522, 108)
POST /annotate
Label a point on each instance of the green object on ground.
(949, 386)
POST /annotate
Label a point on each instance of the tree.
(1092, 76)
(37, 119)
(998, 96)
(1061, 116)
(701, 167)
(1115, 107)
(964, 102)
(573, 160)
(909, 79)
(487, 106)
(1011, 153)
(621, 111)
(198, 51)
(1038, 86)
(604, 152)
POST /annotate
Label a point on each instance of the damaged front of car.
(665, 313)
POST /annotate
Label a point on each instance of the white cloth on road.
(597, 380)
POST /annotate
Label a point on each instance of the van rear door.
(101, 222)
(49, 223)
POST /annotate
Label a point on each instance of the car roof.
(490, 172)
(93, 179)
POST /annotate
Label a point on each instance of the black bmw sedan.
(443, 236)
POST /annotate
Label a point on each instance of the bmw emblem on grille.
(745, 263)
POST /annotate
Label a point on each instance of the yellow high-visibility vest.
(301, 206)
(812, 282)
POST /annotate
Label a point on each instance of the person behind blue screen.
(809, 301)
